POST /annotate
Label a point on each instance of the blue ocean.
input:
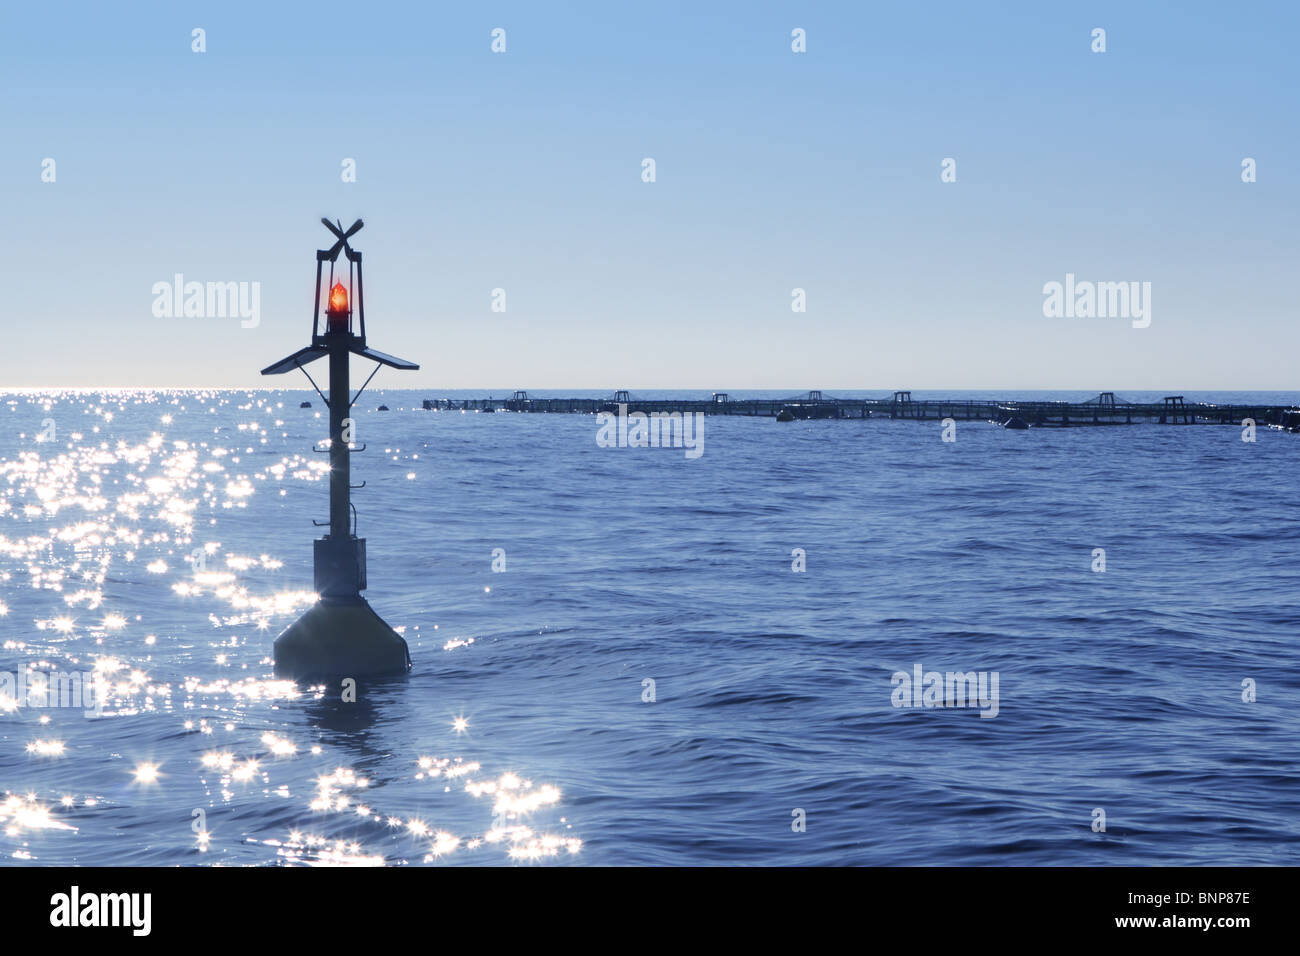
(628, 656)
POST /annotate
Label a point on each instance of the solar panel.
(383, 358)
(297, 360)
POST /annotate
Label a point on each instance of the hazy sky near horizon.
(774, 170)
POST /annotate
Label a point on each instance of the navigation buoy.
(340, 635)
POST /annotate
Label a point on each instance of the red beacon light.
(337, 313)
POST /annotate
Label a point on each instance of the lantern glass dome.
(338, 298)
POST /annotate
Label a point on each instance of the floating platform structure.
(1105, 409)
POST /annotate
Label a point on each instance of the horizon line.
(19, 389)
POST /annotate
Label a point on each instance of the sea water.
(623, 655)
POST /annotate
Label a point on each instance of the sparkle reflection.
(112, 565)
(20, 814)
(46, 748)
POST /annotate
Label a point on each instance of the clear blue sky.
(774, 170)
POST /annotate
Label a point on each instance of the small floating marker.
(305, 405)
(382, 408)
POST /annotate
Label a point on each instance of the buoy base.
(336, 639)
